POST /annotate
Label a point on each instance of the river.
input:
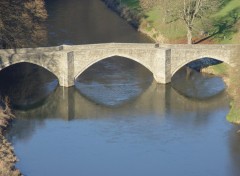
(116, 120)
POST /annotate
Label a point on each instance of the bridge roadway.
(67, 62)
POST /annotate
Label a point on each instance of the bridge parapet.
(143, 46)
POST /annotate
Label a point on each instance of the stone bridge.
(67, 62)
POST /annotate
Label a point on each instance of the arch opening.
(197, 79)
(113, 59)
(200, 63)
(26, 84)
(118, 79)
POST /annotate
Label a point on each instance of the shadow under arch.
(211, 61)
(119, 80)
(191, 82)
(26, 84)
(120, 56)
(6, 65)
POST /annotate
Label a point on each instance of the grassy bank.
(152, 18)
(227, 21)
(7, 157)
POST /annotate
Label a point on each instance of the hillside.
(152, 18)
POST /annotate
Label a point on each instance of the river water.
(116, 120)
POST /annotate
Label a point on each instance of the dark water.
(117, 120)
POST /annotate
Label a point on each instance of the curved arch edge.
(7, 65)
(187, 62)
(104, 58)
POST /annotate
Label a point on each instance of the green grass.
(227, 20)
(221, 69)
(229, 7)
(154, 14)
(158, 20)
(133, 4)
(234, 114)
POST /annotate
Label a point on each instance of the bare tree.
(189, 11)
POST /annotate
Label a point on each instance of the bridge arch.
(68, 62)
(6, 65)
(185, 62)
(80, 70)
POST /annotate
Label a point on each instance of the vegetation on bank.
(154, 18)
(234, 91)
(7, 156)
(231, 78)
(22, 23)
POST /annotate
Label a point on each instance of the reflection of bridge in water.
(68, 62)
(158, 100)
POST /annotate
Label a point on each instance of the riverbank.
(133, 15)
(230, 77)
(7, 156)
(151, 18)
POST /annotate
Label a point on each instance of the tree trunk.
(189, 35)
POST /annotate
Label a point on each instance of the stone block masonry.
(67, 62)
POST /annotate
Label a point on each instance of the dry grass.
(7, 159)
(7, 156)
